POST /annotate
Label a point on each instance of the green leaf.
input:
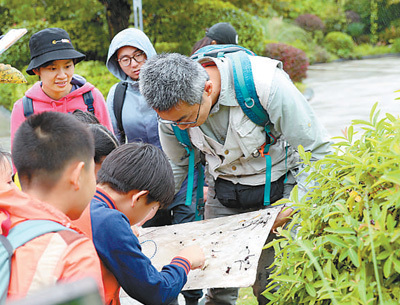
(340, 230)
(396, 264)
(310, 290)
(354, 257)
(383, 255)
(387, 267)
(309, 274)
(393, 176)
(337, 241)
(390, 117)
(350, 133)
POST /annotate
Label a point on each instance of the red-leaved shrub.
(310, 22)
(295, 61)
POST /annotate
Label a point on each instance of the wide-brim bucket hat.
(51, 44)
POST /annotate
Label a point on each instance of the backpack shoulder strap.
(88, 99)
(248, 100)
(184, 140)
(18, 236)
(118, 103)
(27, 104)
(245, 89)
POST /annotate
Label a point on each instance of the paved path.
(347, 90)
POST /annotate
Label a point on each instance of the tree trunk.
(117, 14)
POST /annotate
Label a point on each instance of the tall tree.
(117, 15)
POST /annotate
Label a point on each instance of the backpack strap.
(118, 103)
(88, 99)
(248, 100)
(18, 236)
(183, 138)
(27, 104)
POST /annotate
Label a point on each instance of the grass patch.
(246, 297)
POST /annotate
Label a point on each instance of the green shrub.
(339, 44)
(348, 229)
(396, 45)
(368, 49)
(190, 27)
(295, 61)
(389, 34)
(166, 47)
(355, 29)
(279, 30)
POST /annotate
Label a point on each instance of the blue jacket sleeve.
(120, 251)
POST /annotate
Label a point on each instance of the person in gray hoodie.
(128, 51)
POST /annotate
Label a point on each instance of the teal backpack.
(249, 102)
(18, 236)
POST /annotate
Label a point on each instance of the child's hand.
(282, 218)
(195, 255)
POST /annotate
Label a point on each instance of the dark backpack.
(248, 100)
(27, 103)
(118, 103)
(18, 236)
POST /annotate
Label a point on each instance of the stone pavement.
(347, 90)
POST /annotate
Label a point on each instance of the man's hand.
(282, 218)
(195, 255)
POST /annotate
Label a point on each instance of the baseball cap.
(223, 33)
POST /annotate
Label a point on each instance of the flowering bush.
(310, 22)
(295, 61)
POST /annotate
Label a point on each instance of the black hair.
(139, 166)
(85, 117)
(104, 141)
(46, 143)
(205, 41)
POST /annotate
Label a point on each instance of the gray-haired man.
(200, 96)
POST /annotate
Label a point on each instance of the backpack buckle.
(261, 150)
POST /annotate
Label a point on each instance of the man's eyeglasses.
(174, 123)
(127, 60)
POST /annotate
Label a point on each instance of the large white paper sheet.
(232, 246)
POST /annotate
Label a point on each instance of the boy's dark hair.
(46, 143)
(104, 141)
(139, 166)
(85, 117)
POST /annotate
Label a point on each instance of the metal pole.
(137, 13)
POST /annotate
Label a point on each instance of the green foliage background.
(347, 250)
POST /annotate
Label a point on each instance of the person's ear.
(36, 71)
(208, 87)
(137, 196)
(76, 172)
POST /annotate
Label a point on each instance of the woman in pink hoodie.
(53, 59)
